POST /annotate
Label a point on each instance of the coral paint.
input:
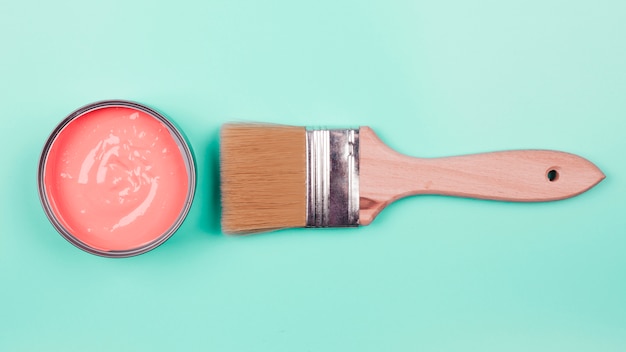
(117, 179)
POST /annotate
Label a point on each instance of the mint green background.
(434, 78)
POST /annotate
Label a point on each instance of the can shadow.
(209, 187)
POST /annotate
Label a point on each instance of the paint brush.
(275, 176)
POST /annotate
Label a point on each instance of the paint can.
(116, 178)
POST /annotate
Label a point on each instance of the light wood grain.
(517, 175)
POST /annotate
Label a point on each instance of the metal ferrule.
(332, 178)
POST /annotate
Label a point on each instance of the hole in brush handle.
(552, 175)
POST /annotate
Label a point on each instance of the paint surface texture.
(116, 178)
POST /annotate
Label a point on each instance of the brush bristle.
(263, 177)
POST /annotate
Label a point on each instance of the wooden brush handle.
(518, 175)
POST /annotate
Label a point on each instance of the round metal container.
(151, 203)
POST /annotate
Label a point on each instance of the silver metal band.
(332, 178)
